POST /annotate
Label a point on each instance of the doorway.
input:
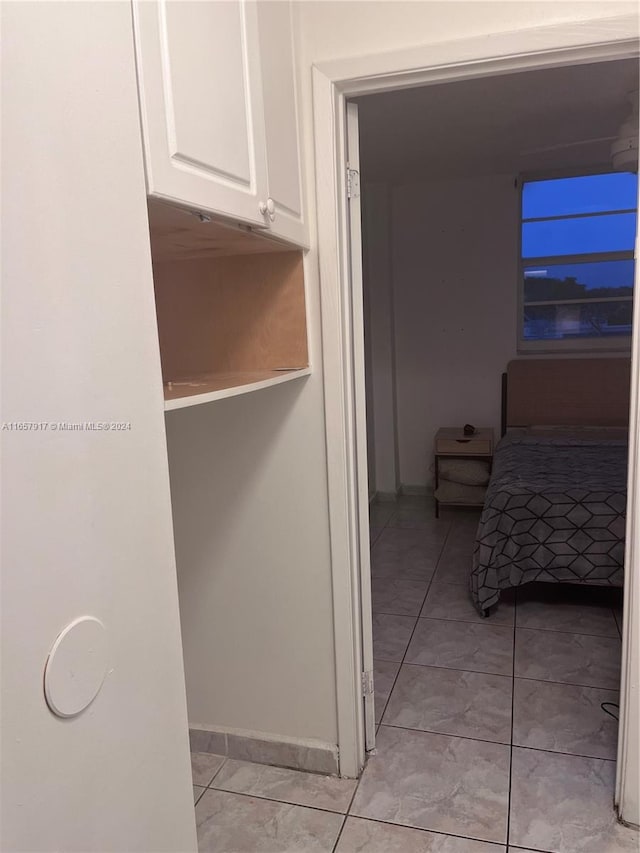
(335, 267)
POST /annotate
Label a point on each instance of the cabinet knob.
(268, 208)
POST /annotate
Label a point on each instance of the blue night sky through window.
(611, 197)
(585, 194)
(599, 274)
(578, 239)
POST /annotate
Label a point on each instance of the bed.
(554, 509)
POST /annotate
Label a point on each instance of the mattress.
(554, 511)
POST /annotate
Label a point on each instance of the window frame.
(612, 344)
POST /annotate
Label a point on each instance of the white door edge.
(360, 423)
(334, 273)
(627, 795)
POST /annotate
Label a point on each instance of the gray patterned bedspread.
(554, 511)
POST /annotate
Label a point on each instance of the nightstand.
(452, 443)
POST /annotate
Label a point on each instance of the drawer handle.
(463, 440)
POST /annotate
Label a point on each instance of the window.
(577, 246)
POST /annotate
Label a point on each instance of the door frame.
(333, 84)
(359, 397)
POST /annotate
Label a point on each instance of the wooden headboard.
(571, 391)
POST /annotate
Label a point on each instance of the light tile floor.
(491, 735)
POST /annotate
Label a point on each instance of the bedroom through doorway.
(496, 232)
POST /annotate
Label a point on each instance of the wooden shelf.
(230, 307)
(217, 386)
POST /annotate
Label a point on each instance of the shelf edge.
(233, 391)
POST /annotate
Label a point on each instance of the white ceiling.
(488, 126)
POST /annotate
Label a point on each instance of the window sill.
(597, 345)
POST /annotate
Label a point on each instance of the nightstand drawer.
(472, 446)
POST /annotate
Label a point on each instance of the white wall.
(250, 515)
(423, 369)
(380, 336)
(86, 524)
(455, 278)
(446, 327)
(333, 29)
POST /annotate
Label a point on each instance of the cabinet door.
(277, 58)
(201, 105)
(86, 523)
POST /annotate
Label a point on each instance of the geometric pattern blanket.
(554, 511)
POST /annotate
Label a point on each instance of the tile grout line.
(378, 724)
(500, 625)
(496, 742)
(430, 583)
(450, 531)
(515, 625)
(199, 797)
(207, 785)
(395, 680)
(381, 530)
(445, 619)
(567, 754)
(429, 831)
(502, 674)
(449, 734)
(615, 619)
(385, 525)
(572, 633)
(273, 800)
(217, 773)
(386, 704)
(347, 813)
(455, 669)
(568, 683)
(513, 701)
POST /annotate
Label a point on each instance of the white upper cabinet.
(281, 120)
(219, 112)
(201, 105)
